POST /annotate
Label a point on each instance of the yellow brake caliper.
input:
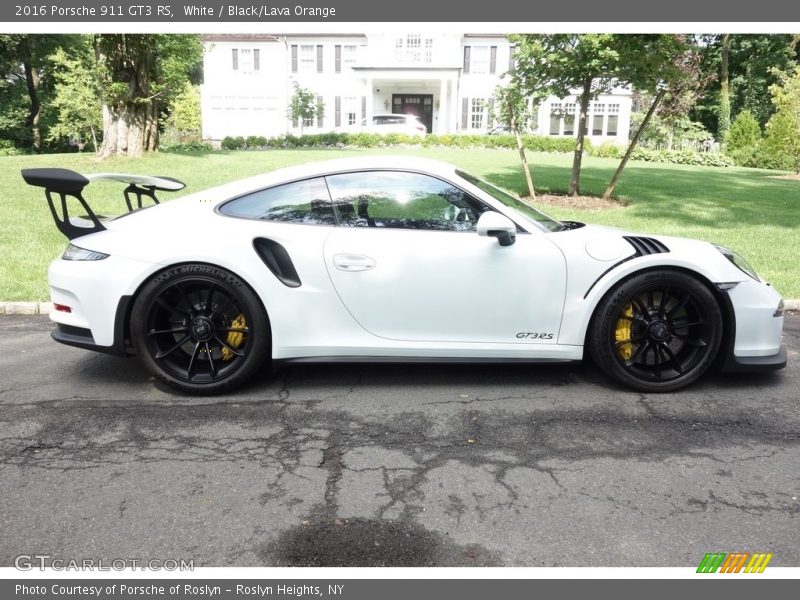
(235, 338)
(622, 332)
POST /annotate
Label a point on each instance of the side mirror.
(493, 224)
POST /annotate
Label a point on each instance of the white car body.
(374, 293)
(395, 123)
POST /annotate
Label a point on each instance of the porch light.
(386, 104)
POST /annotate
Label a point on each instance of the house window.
(413, 48)
(307, 58)
(349, 56)
(613, 120)
(245, 60)
(477, 110)
(351, 110)
(597, 118)
(479, 59)
(569, 118)
(555, 118)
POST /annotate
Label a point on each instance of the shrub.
(256, 141)
(607, 150)
(683, 157)
(7, 148)
(188, 146)
(233, 143)
(744, 132)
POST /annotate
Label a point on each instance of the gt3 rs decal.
(534, 335)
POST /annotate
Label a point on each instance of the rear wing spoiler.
(65, 183)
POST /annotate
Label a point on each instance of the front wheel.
(657, 331)
(200, 329)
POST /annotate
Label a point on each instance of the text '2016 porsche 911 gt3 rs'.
(390, 259)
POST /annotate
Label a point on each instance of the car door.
(407, 263)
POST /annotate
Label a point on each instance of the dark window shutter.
(492, 59)
(319, 59)
(466, 59)
(511, 58)
(363, 107)
(294, 58)
(256, 60)
(338, 59)
(338, 105)
(320, 113)
(490, 118)
(235, 58)
(464, 113)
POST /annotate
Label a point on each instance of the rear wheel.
(657, 331)
(200, 329)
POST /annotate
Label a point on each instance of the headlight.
(739, 261)
(77, 253)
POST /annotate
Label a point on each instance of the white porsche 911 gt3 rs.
(391, 259)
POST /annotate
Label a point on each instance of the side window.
(306, 202)
(399, 200)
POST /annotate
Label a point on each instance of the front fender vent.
(645, 245)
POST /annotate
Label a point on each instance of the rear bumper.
(753, 364)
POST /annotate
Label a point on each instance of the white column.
(453, 104)
(441, 122)
(370, 101)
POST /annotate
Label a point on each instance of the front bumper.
(756, 329)
(754, 364)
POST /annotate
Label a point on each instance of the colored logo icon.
(734, 562)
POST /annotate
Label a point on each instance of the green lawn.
(746, 209)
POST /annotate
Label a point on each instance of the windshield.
(513, 202)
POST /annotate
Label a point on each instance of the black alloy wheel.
(657, 331)
(200, 329)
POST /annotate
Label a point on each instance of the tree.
(587, 65)
(512, 109)
(77, 95)
(783, 129)
(669, 67)
(184, 119)
(744, 132)
(724, 119)
(304, 106)
(25, 58)
(140, 73)
(752, 61)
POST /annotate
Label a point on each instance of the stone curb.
(43, 308)
(25, 308)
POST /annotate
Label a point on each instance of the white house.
(447, 79)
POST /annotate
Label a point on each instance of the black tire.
(200, 329)
(656, 331)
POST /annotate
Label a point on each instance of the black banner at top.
(321, 11)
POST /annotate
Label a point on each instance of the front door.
(408, 265)
(419, 105)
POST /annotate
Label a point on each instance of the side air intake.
(645, 245)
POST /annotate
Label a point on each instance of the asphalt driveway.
(392, 465)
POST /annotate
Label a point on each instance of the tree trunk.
(129, 130)
(523, 158)
(613, 183)
(724, 122)
(34, 111)
(94, 139)
(575, 181)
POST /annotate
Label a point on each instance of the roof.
(318, 169)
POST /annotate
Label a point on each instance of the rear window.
(304, 202)
(389, 120)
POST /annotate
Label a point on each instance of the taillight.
(62, 308)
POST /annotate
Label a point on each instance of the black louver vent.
(646, 245)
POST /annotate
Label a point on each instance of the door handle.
(353, 262)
